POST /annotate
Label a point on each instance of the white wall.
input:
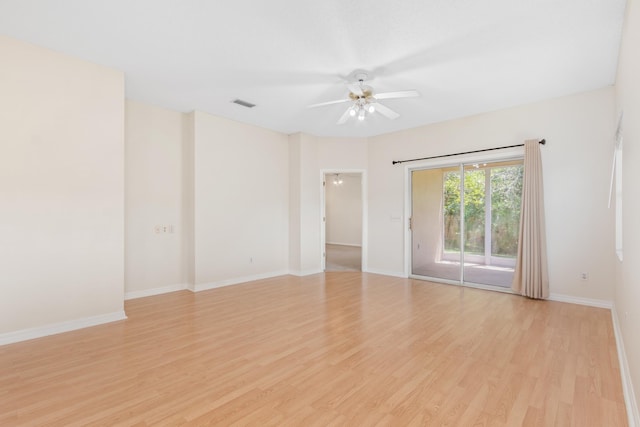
(342, 153)
(221, 185)
(578, 130)
(154, 175)
(241, 201)
(61, 189)
(295, 237)
(343, 210)
(310, 249)
(305, 205)
(188, 199)
(627, 292)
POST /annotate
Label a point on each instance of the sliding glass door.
(465, 221)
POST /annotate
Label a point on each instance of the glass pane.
(493, 194)
(452, 211)
(474, 210)
(506, 195)
(435, 223)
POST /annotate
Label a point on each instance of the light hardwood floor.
(330, 349)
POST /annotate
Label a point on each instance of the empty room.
(354, 213)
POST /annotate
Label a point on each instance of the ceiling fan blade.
(355, 89)
(385, 111)
(399, 94)
(344, 117)
(322, 104)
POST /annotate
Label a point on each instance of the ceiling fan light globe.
(371, 108)
(352, 112)
(361, 115)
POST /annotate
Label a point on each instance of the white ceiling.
(463, 56)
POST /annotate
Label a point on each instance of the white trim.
(553, 297)
(407, 217)
(399, 274)
(58, 328)
(235, 281)
(344, 244)
(323, 219)
(494, 288)
(299, 273)
(600, 303)
(155, 291)
(633, 416)
(438, 280)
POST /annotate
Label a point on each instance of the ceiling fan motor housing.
(367, 94)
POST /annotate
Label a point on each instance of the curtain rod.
(395, 162)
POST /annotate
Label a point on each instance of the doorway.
(465, 222)
(343, 221)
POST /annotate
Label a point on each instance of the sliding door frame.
(515, 153)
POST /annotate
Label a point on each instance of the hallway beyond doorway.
(343, 258)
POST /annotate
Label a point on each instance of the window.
(618, 166)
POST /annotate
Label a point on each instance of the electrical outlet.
(584, 276)
(163, 229)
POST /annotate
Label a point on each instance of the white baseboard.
(344, 244)
(304, 272)
(235, 281)
(627, 385)
(58, 328)
(600, 303)
(387, 273)
(155, 291)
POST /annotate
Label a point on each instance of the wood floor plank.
(343, 348)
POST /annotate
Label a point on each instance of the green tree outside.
(506, 194)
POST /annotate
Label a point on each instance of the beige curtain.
(531, 277)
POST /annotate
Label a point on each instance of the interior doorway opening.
(343, 221)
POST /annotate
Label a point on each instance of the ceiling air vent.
(243, 103)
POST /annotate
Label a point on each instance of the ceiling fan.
(365, 101)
